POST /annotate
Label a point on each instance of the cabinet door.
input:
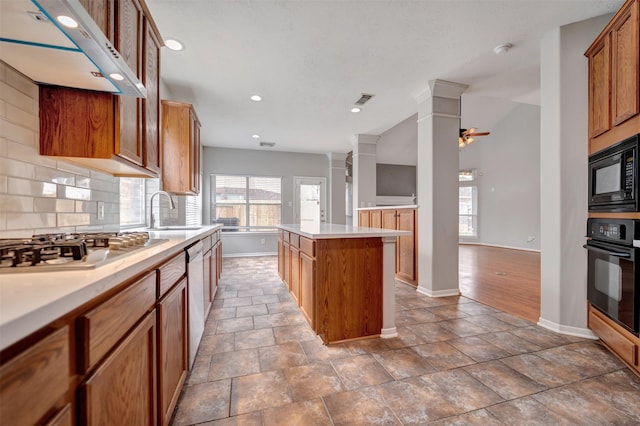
(286, 265)
(375, 219)
(294, 277)
(122, 391)
(406, 246)
(625, 53)
(129, 44)
(151, 104)
(103, 14)
(207, 283)
(172, 349)
(308, 288)
(195, 153)
(280, 258)
(32, 383)
(363, 218)
(389, 219)
(599, 88)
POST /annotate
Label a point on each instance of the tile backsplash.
(42, 194)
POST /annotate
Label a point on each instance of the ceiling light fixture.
(174, 44)
(355, 109)
(256, 98)
(116, 76)
(67, 21)
(255, 136)
(502, 49)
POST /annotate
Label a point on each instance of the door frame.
(297, 181)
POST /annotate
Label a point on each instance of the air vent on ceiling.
(268, 144)
(363, 99)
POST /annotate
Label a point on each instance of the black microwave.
(613, 178)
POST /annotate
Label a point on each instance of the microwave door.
(607, 180)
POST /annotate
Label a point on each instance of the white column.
(563, 176)
(364, 172)
(388, 288)
(437, 173)
(337, 188)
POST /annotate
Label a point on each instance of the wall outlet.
(100, 211)
(261, 240)
(531, 239)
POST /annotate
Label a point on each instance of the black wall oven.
(613, 278)
(614, 176)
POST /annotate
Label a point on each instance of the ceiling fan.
(466, 136)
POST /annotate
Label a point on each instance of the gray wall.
(394, 179)
(508, 165)
(258, 163)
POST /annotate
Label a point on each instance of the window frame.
(142, 208)
(247, 203)
(475, 217)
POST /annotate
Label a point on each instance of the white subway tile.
(22, 83)
(3, 184)
(102, 176)
(86, 206)
(16, 203)
(30, 220)
(17, 233)
(17, 133)
(83, 182)
(90, 228)
(53, 205)
(72, 168)
(47, 174)
(17, 98)
(22, 118)
(30, 187)
(73, 219)
(29, 154)
(15, 168)
(3, 147)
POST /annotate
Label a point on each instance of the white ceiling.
(311, 59)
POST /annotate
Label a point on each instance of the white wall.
(508, 166)
(398, 145)
(258, 163)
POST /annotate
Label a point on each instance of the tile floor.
(455, 362)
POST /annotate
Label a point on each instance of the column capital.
(441, 89)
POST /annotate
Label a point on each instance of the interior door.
(310, 200)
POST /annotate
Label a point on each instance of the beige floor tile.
(512, 319)
(403, 363)
(234, 324)
(287, 306)
(319, 352)
(541, 337)
(360, 371)
(415, 316)
(281, 356)
(406, 338)
(216, 343)
(358, 408)
(490, 322)
(203, 402)
(449, 311)
(222, 313)
(312, 381)
(504, 381)
(251, 310)
(527, 411)
(585, 359)
(542, 371)
(443, 356)
(479, 417)
(250, 419)
(265, 299)
(432, 332)
(510, 343)
(367, 346)
(478, 349)
(307, 413)
(463, 327)
(226, 365)
(293, 333)
(475, 308)
(254, 338)
(238, 301)
(250, 292)
(258, 392)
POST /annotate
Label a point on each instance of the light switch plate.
(100, 210)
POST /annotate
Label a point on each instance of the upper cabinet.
(118, 135)
(180, 148)
(614, 74)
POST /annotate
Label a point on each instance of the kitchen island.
(342, 278)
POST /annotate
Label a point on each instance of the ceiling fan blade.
(480, 134)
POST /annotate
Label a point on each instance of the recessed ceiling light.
(355, 109)
(256, 98)
(255, 136)
(502, 49)
(67, 21)
(116, 76)
(174, 44)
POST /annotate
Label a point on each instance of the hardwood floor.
(504, 279)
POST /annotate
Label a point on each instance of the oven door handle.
(610, 253)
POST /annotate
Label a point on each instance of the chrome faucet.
(152, 220)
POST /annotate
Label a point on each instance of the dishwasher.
(195, 286)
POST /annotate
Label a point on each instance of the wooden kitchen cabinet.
(34, 382)
(614, 79)
(307, 288)
(114, 134)
(180, 148)
(173, 362)
(405, 219)
(122, 390)
(294, 274)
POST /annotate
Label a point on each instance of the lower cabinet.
(172, 349)
(307, 288)
(122, 390)
(294, 275)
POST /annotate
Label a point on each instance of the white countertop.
(411, 206)
(31, 300)
(331, 230)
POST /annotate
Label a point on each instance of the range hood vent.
(36, 44)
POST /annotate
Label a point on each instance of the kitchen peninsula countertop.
(411, 206)
(331, 230)
(31, 300)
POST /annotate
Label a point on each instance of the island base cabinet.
(122, 389)
(307, 288)
(172, 349)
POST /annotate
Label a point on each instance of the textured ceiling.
(310, 60)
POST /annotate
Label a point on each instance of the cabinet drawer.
(171, 272)
(206, 243)
(101, 328)
(308, 246)
(215, 237)
(285, 236)
(295, 240)
(32, 382)
(625, 348)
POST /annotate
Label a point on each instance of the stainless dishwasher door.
(195, 286)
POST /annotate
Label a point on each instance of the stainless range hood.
(36, 43)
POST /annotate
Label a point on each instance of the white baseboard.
(568, 330)
(472, 243)
(248, 254)
(438, 293)
(388, 333)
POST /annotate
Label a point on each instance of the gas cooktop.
(73, 251)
